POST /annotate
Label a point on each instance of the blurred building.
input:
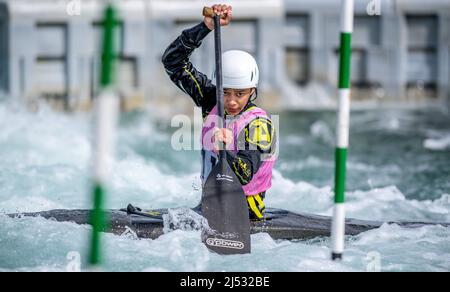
(401, 50)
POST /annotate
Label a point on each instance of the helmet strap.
(254, 96)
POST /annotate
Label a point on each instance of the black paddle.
(224, 203)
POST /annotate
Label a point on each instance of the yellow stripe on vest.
(251, 202)
(260, 202)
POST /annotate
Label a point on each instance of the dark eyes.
(238, 94)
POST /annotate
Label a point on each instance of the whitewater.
(398, 169)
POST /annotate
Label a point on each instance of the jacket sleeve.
(256, 140)
(181, 71)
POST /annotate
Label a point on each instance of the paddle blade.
(224, 205)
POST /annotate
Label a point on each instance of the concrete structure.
(49, 50)
(399, 55)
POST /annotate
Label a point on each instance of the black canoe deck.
(279, 224)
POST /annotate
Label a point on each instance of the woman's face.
(236, 99)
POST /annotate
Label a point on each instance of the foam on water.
(383, 204)
(45, 165)
(40, 245)
(321, 131)
(439, 142)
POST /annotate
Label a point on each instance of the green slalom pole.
(342, 129)
(105, 119)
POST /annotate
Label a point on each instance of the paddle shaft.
(219, 82)
(223, 200)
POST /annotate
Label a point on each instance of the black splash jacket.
(199, 87)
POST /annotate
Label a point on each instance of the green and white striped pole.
(105, 115)
(342, 129)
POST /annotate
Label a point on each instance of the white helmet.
(239, 70)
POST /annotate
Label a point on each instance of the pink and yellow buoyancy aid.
(262, 180)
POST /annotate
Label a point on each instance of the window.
(51, 61)
(422, 55)
(296, 41)
(127, 66)
(366, 35)
(297, 64)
